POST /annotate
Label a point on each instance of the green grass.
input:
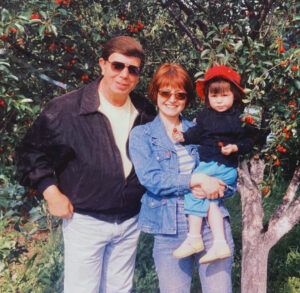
(35, 264)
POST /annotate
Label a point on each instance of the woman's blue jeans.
(175, 275)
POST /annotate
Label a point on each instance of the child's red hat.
(218, 71)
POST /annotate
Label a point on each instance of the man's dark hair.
(124, 45)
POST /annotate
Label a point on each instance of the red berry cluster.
(63, 2)
(281, 149)
(136, 27)
(287, 133)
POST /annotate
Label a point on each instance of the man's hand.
(58, 204)
(229, 149)
(177, 135)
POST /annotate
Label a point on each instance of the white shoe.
(189, 247)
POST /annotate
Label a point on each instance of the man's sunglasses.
(119, 66)
(167, 94)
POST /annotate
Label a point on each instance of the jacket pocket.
(163, 157)
(151, 214)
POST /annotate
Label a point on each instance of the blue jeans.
(99, 256)
(175, 275)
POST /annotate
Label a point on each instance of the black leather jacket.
(72, 146)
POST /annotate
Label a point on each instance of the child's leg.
(215, 221)
(220, 248)
(195, 224)
(193, 243)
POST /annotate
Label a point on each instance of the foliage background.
(50, 47)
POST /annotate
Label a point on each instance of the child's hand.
(177, 135)
(229, 149)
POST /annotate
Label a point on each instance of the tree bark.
(254, 266)
(257, 240)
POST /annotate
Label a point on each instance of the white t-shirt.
(121, 120)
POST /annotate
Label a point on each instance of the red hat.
(218, 71)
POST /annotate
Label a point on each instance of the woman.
(165, 169)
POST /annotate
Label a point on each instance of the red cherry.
(13, 30)
(292, 104)
(2, 103)
(249, 120)
(140, 25)
(52, 47)
(35, 16)
(294, 68)
(277, 163)
(281, 49)
(281, 149)
(84, 77)
(4, 37)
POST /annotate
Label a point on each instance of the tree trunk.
(257, 239)
(254, 268)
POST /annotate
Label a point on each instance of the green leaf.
(297, 84)
(19, 27)
(204, 52)
(5, 15)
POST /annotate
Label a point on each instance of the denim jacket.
(156, 165)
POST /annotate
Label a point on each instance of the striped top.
(185, 160)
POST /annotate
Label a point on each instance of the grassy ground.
(34, 263)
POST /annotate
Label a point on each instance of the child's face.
(220, 96)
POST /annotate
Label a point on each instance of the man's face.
(120, 74)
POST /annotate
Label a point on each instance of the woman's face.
(171, 101)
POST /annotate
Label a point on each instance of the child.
(222, 138)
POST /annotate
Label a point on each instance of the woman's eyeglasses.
(119, 66)
(167, 94)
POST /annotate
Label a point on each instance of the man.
(76, 155)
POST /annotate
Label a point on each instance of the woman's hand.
(198, 192)
(212, 187)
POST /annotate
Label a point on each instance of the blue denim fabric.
(156, 165)
(175, 275)
(162, 211)
(155, 161)
(199, 207)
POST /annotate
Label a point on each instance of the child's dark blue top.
(213, 127)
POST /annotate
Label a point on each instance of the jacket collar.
(159, 134)
(90, 101)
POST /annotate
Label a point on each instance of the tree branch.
(190, 12)
(287, 211)
(252, 210)
(259, 19)
(264, 12)
(281, 226)
(257, 168)
(196, 43)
